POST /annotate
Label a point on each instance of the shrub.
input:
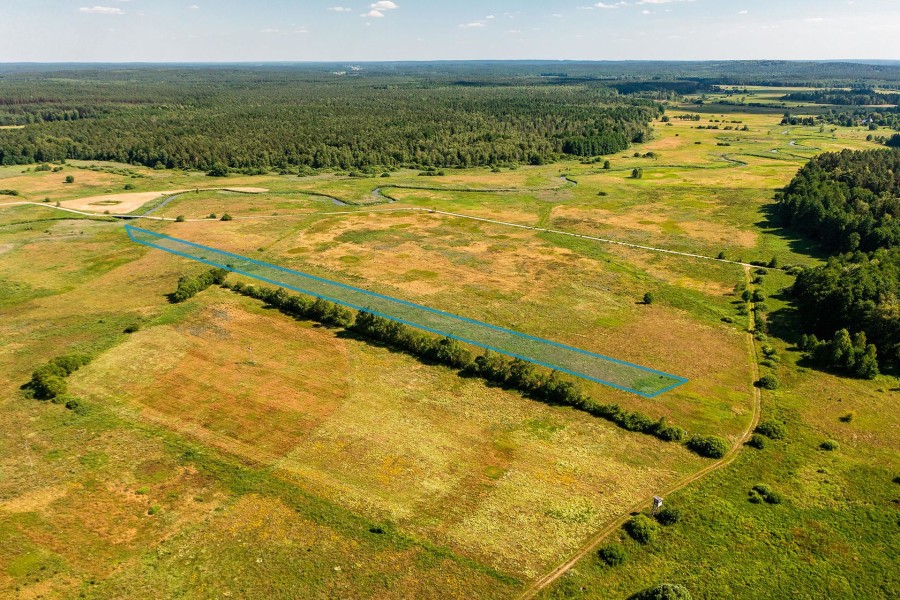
(133, 328)
(668, 516)
(774, 430)
(709, 446)
(47, 385)
(768, 382)
(128, 186)
(648, 298)
(829, 445)
(637, 173)
(612, 554)
(642, 529)
(848, 418)
(77, 406)
(70, 179)
(153, 510)
(764, 492)
(757, 441)
(226, 217)
(188, 287)
(663, 591)
(179, 219)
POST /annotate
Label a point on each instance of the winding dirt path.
(591, 545)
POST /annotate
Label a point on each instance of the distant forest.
(366, 116)
(855, 97)
(850, 202)
(282, 119)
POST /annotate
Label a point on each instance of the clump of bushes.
(710, 446)
(668, 516)
(763, 493)
(188, 286)
(612, 554)
(663, 591)
(851, 355)
(226, 217)
(49, 381)
(774, 430)
(768, 382)
(757, 441)
(829, 445)
(642, 529)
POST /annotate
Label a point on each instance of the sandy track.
(126, 203)
(118, 203)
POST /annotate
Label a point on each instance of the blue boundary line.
(679, 381)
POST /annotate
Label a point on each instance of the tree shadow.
(797, 242)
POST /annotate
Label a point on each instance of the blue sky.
(349, 30)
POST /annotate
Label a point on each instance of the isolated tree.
(70, 179)
(648, 298)
(637, 173)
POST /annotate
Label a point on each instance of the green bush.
(774, 430)
(77, 406)
(226, 217)
(763, 492)
(829, 445)
(642, 529)
(648, 298)
(612, 554)
(768, 382)
(47, 385)
(188, 286)
(709, 446)
(133, 328)
(664, 591)
(757, 441)
(179, 219)
(668, 516)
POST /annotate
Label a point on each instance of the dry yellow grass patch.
(235, 373)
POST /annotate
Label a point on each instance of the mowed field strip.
(619, 374)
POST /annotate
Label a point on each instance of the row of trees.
(510, 373)
(855, 97)
(848, 201)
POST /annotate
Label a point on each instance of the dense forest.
(853, 97)
(850, 202)
(283, 119)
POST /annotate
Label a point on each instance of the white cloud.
(101, 10)
(743, 12)
(378, 9)
(489, 17)
(194, 7)
(605, 5)
(474, 25)
(340, 9)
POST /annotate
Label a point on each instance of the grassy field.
(230, 450)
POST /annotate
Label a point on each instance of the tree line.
(850, 203)
(853, 97)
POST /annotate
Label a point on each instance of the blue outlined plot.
(608, 371)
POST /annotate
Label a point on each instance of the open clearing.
(232, 450)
